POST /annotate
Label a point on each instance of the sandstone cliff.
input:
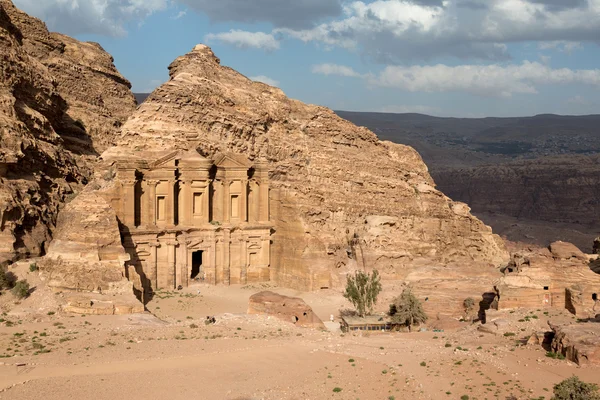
(560, 190)
(341, 198)
(98, 97)
(60, 102)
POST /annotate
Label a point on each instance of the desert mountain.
(340, 197)
(533, 179)
(60, 103)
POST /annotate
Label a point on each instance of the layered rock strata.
(60, 102)
(340, 199)
(560, 190)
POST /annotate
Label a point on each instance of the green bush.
(574, 389)
(21, 289)
(555, 355)
(33, 267)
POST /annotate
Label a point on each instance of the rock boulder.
(579, 343)
(290, 309)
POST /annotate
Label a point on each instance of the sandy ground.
(170, 353)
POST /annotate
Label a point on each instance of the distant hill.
(141, 97)
(492, 139)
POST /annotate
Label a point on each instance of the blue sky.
(464, 58)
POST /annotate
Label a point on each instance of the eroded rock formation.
(557, 277)
(60, 102)
(579, 343)
(289, 309)
(86, 253)
(87, 260)
(340, 198)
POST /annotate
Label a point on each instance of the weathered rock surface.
(341, 198)
(558, 277)
(60, 101)
(290, 309)
(95, 304)
(579, 343)
(86, 253)
(561, 189)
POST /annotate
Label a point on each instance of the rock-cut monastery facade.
(185, 218)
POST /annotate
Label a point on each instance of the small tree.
(21, 289)
(4, 281)
(574, 389)
(469, 306)
(362, 290)
(407, 310)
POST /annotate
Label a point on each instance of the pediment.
(232, 160)
(165, 159)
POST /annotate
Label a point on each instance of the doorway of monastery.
(197, 265)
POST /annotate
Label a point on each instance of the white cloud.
(244, 39)
(334, 69)
(488, 80)
(103, 17)
(179, 15)
(265, 79)
(561, 45)
(482, 80)
(394, 31)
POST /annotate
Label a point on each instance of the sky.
(458, 58)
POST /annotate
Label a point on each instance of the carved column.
(154, 264)
(170, 204)
(226, 201)
(244, 202)
(253, 210)
(218, 201)
(213, 263)
(263, 202)
(244, 261)
(206, 204)
(151, 203)
(186, 204)
(128, 202)
(226, 256)
(182, 261)
(171, 245)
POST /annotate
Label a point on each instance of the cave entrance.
(196, 265)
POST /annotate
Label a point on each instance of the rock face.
(290, 309)
(86, 258)
(559, 190)
(86, 253)
(579, 343)
(60, 102)
(558, 277)
(340, 198)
